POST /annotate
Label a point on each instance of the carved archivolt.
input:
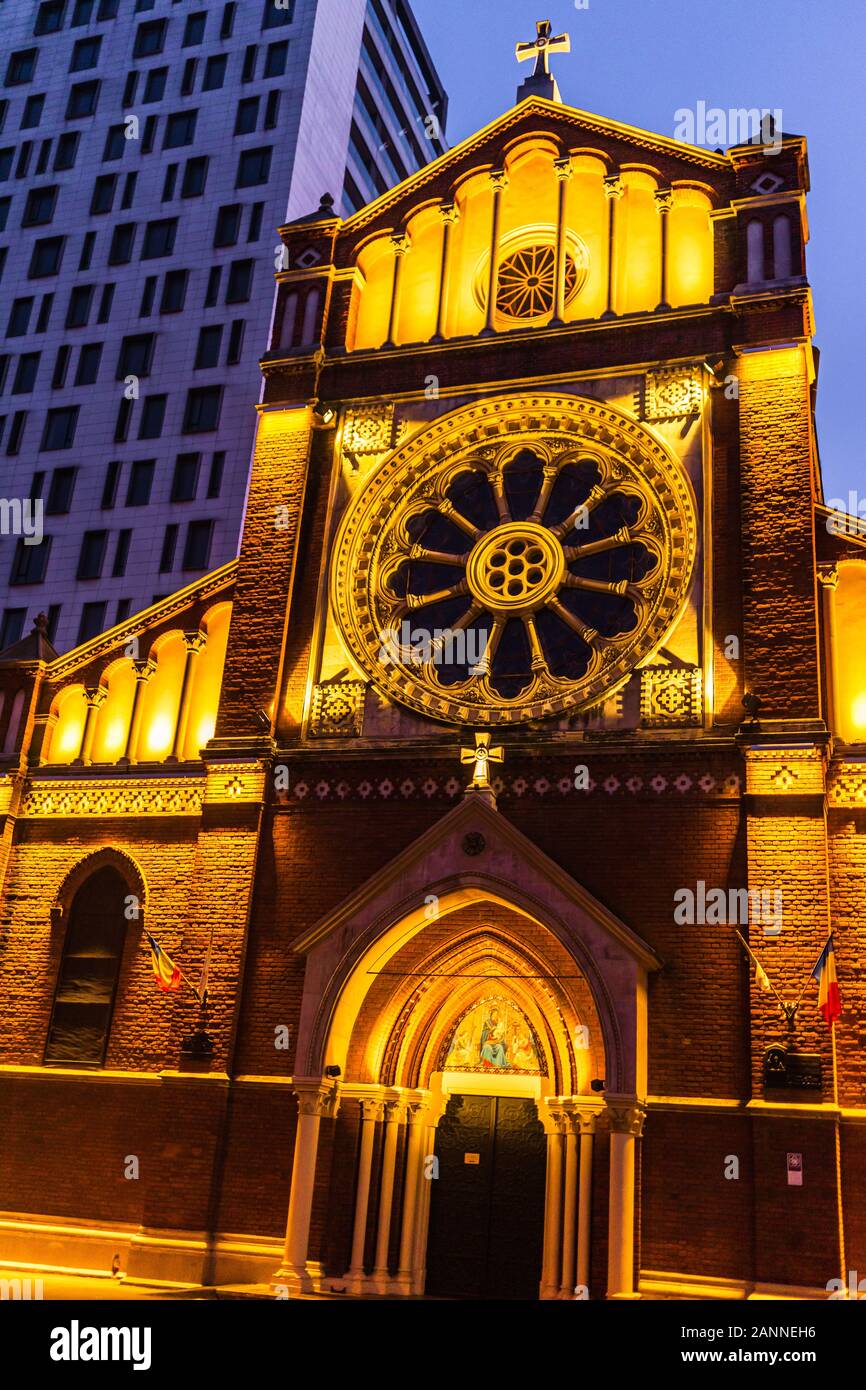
(515, 559)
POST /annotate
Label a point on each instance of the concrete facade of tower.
(148, 153)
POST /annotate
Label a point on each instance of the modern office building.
(149, 150)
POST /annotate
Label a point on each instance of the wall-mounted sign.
(795, 1170)
(471, 1158)
(799, 1071)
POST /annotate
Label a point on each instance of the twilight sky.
(642, 60)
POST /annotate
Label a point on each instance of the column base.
(610, 314)
(356, 1284)
(294, 1279)
(380, 1282)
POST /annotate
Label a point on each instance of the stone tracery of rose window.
(559, 545)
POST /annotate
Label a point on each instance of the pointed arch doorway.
(387, 984)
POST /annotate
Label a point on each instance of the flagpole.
(838, 1131)
(840, 1211)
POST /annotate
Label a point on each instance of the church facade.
(535, 684)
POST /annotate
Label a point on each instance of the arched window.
(87, 980)
(782, 248)
(755, 251)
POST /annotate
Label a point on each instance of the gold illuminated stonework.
(554, 530)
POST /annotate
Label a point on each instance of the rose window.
(527, 282)
(514, 560)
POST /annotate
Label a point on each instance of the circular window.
(527, 273)
(514, 560)
(527, 282)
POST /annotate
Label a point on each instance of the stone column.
(47, 738)
(395, 1111)
(315, 1099)
(564, 171)
(95, 697)
(828, 578)
(401, 243)
(569, 1207)
(194, 643)
(586, 1127)
(663, 198)
(143, 672)
(626, 1127)
(425, 1188)
(499, 182)
(415, 1119)
(372, 1108)
(613, 191)
(450, 215)
(550, 1261)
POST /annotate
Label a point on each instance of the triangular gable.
(537, 113)
(115, 638)
(428, 856)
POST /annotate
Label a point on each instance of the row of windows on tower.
(30, 562)
(253, 168)
(83, 98)
(86, 53)
(201, 416)
(52, 14)
(83, 298)
(135, 359)
(131, 485)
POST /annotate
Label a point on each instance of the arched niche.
(637, 244)
(162, 698)
(850, 600)
(114, 715)
(69, 714)
(376, 270)
(587, 217)
(419, 291)
(204, 692)
(690, 247)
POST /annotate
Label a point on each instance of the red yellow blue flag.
(829, 999)
(165, 972)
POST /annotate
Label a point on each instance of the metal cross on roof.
(542, 47)
(541, 82)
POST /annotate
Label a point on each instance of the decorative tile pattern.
(179, 797)
(672, 394)
(369, 430)
(338, 709)
(670, 697)
(551, 785)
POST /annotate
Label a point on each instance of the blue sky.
(642, 60)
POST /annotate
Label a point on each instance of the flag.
(829, 999)
(165, 972)
(762, 979)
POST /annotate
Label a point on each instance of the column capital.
(613, 186)
(144, 669)
(449, 212)
(194, 641)
(663, 199)
(563, 167)
(316, 1097)
(828, 575)
(95, 696)
(499, 180)
(401, 243)
(372, 1107)
(626, 1115)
